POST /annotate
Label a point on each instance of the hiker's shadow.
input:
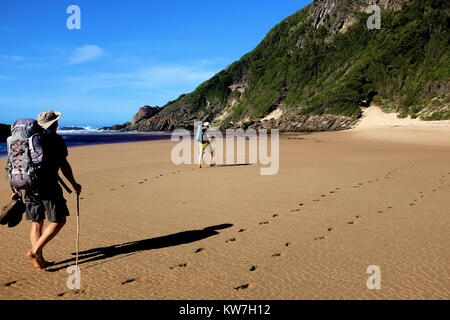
(128, 248)
(233, 165)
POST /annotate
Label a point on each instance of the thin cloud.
(86, 53)
(8, 58)
(154, 77)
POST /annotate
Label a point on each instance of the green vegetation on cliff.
(331, 68)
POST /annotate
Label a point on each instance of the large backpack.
(24, 154)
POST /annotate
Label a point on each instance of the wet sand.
(341, 201)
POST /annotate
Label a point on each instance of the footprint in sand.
(77, 291)
(113, 189)
(389, 207)
(129, 281)
(277, 254)
(330, 229)
(301, 204)
(9, 284)
(140, 182)
(122, 186)
(242, 230)
(323, 195)
(253, 268)
(332, 192)
(231, 240)
(320, 238)
(264, 222)
(276, 215)
(243, 287)
(287, 244)
(180, 265)
(351, 222)
(316, 200)
(295, 210)
(199, 250)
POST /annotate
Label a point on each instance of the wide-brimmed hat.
(47, 118)
(206, 124)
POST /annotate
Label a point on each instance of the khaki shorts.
(205, 147)
(55, 209)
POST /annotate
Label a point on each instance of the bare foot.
(35, 259)
(200, 166)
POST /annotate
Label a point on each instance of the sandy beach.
(341, 201)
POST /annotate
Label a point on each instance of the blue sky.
(127, 54)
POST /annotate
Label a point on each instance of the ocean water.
(74, 138)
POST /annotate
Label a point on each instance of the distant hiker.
(43, 194)
(204, 139)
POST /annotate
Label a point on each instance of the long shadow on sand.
(233, 165)
(128, 248)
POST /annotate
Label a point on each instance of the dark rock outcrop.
(304, 123)
(145, 112)
(118, 127)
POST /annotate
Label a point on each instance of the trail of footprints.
(139, 183)
(351, 222)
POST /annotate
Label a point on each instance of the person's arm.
(67, 171)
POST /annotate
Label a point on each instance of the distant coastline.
(80, 138)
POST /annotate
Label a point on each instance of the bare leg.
(200, 160)
(49, 233)
(212, 159)
(35, 234)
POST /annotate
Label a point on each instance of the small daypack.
(25, 154)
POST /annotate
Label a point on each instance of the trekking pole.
(78, 229)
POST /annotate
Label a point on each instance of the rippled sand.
(339, 203)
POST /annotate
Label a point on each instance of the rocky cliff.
(317, 68)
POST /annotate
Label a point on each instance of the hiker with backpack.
(36, 153)
(204, 138)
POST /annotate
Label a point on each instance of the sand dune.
(339, 203)
(373, 117)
